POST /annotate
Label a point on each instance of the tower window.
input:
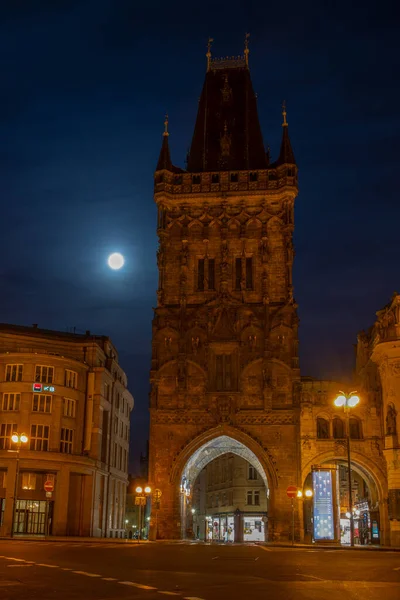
(234, 177)
(200, 275)
(249, 273)
(211, 273)
(196, 179)
(247, 265)
(253, 176)
(224, 372)
(215, 178)
(238, 274)
(178, 179)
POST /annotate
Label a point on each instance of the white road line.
(16, 559)
(137, 585)
(312, 577)
(109, 579)
(65, 569)
(25, 565)
(215, 557)
(264, 548)
(50, 566)
(192, 598)
(87, 574)
(168, 593)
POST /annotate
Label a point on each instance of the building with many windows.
(67, 393)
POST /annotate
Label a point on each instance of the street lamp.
(141, 499)
(300, 496)
(17, 439)
(348, 401)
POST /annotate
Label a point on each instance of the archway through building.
(224, 493)
(366, 504)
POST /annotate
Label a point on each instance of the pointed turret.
(286, 155)
(164, 160)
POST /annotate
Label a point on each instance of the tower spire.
(210, 41)
(166, 133)
(164, 160)
(246, 49)
(286, 155)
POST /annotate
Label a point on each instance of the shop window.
(338, 429)
(355, 429)
(44, 374)
(13, 372)
(28, 481)
(322, 429)
(252, 473)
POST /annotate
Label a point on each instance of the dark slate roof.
(227, 134)
(286, 155)
(164, 160)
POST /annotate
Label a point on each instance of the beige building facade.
(68, 394)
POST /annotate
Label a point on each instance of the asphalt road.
(73, 570)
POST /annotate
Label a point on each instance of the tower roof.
(286, 154)
(227, 134)
(164, 159)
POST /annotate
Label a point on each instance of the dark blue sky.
(84, 88)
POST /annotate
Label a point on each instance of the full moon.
(116, 261)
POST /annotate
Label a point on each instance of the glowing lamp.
(126, 521)
(340, 401)
(24, 438)
(15, 438)
(193, 511)
(299, 494)
(147, 489)
(139, 490)
(308, 493)
(348, 515)
(353, 401)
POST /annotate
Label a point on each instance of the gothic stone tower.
(225, 343)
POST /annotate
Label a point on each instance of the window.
(28, 481)
(116, 426)
(41, 403)
(322, 429)
(106, 391)
(3, 479)
(249, 501)
(355, 429)
(11, 401)
(196, 179)
(234, 177)
(44, 374)
(6, 431)
(338, 428)
(253, 176)
(215, 178)
(211, 273)
(224, 380)
(238, 274)
(71, 379)
(257, 497)
(200, 275)
(13, 372)
(252, 472)
(117, 400)
(67, 436)
(249, 273)
(39, 438)
(69, 407)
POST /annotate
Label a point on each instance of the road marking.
(50, 566)
(109, 579)
(86, 573)
(312, 577)
(16, 559)
(26, 565)
(137, 585)
(257, 558)
(192, 598)
(215, 558)
(264, 548)
(65, 569)
(169, 593)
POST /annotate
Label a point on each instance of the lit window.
(13, 372)
(44, 374)
(69, 407)
(39, 438)
(41, 403)
(28, 481)
(71, 379)
(6, 431)
(11, 401)
(66, 440)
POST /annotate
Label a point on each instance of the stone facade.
(78, 426)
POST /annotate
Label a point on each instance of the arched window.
(338, 429)
(355, 429)
(322, 429)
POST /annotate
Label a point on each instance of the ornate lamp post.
(141, 500)
(348, 401)
(18, 440)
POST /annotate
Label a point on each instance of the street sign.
(291, 491)
(48, 486)
(140, 500)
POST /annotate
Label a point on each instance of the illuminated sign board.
(39, 387)
(323, 505)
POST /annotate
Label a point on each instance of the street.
(72, 570)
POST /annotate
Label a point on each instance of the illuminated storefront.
(238, 527)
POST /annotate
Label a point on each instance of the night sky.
(84, 88)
